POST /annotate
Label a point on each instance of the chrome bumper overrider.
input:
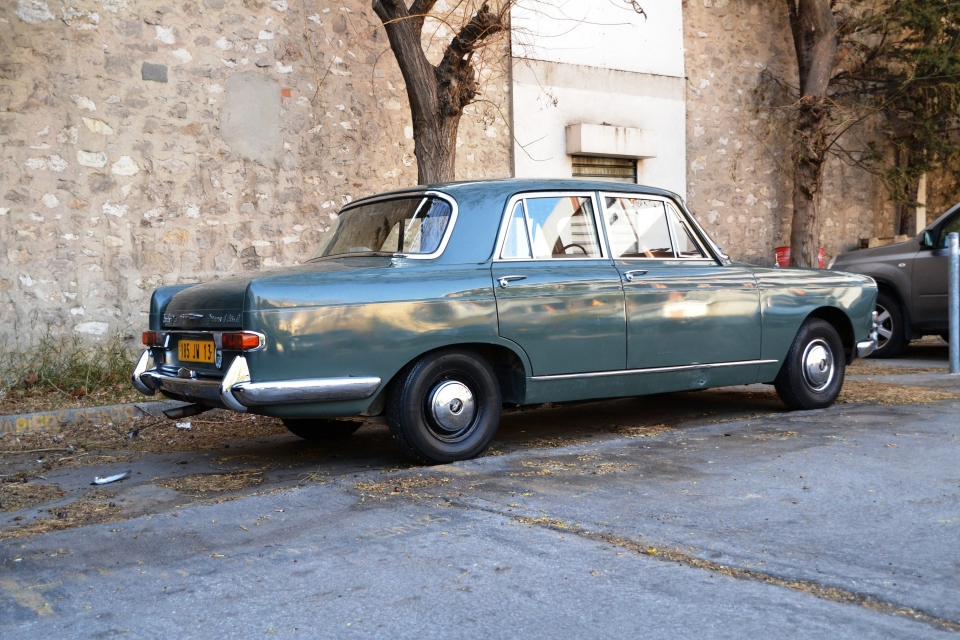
(867, 347)
(236, 391)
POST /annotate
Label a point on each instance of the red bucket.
(783, 256)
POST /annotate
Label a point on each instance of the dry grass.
(202, 483)
(20, 495)
(94, 508)
(862, 368)
(892, 394)
(60, 372)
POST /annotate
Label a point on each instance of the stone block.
(154, 72)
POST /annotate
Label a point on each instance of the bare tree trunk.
(815, 40)
(439, 93)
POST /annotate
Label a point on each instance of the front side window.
(638, 228)
(409, 226)
(562, 227)
(949, 226)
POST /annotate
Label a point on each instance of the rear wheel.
(891, 333)
(445, 407)
(812, 374)
(320, 429)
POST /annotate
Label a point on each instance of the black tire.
(427, 407)
(320, 429)
(891, 335)
(812, 374)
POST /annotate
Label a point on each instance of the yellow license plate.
(195, 351)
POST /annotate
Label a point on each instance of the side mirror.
(927, 242)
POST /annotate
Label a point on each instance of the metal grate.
(612, 169)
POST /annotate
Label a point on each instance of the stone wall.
(148, 143)
(739, 173)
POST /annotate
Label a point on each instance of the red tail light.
(152, 338)
(242, 341)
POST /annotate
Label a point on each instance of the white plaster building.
(599, 89)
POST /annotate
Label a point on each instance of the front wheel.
(812, 374)
(320, 429)
(445, 407)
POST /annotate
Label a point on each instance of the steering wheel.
(567, 246)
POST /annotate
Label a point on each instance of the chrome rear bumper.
(236, 391)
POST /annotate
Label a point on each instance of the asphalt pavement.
(716, 514)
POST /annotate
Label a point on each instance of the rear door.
(683, 307)
(558, 295)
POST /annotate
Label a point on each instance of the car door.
(683, 306)
(930, 274)
(558, 295)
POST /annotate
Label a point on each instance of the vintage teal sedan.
(438, 305)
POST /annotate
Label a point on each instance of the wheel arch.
(840, 321)
(509, 363)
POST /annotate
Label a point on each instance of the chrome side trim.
(685, 367)
(144, 364)
(257, 394)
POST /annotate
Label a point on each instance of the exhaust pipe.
(186, 411)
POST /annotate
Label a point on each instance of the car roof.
(511, 186)
(481, 205)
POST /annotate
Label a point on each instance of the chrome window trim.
(508, 213)
(710, 258)
(622, 372)
(454, 214)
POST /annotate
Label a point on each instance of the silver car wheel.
(818, 365)
(453, 410)
(885, 326)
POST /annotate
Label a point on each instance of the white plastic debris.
(109, 479)
(183, 425)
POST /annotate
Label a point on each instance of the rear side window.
(410, 226)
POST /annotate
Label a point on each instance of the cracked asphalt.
(715, 514)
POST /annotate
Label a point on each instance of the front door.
(683, 307)
(558, 295)
(930, 276)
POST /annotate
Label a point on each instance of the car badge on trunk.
(218, 359)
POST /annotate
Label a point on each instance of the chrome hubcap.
(818, 365)
(452, 406)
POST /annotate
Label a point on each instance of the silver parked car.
(912, 277)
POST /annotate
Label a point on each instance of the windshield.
(410, 226)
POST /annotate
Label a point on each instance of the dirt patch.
(147, 435)
(202, 483)
(20, 495)
(94, 508)
(648, 431)
(402, 486)
(35, 400)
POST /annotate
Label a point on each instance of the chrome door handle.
(630, 275)
(505, 280)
